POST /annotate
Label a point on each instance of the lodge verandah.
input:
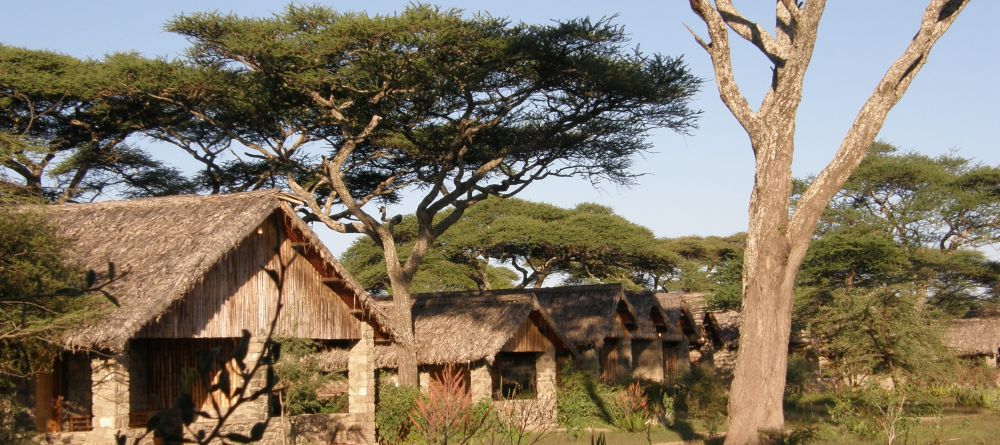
(126, 390)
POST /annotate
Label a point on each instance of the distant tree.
(63, 130)
(41, 297)
(348, 110)
(777, 240)
(588, 243)
(910, 218)
(703, 262)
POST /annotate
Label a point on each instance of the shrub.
(874, 412)
(448, 414)
(308, 389)
(631, 409)
(582, 400)
(800, 374)
(971, 397)
(703, 394)
(392, 413)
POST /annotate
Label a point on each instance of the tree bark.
(777, 242)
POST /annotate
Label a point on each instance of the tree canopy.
(588, 243)
(348, 110)
(64, 126)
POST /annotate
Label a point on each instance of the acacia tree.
(588, 243)
(349, 110)
(63, 130)
(777, 239)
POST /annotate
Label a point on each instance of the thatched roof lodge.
(716, 333)
(974, 337)
(503, 346)
(597, 319)
(192, 273)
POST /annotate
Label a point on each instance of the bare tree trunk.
(755, 400)
(777, 242)
(402, 315)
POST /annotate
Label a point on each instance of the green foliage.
(396, 405)
(41, 294)
(632, 411)
(305, 382)
(877, 413)
(703, 395)
(913, 219)
(881, 332)
(583, 401)
(588, 243)
(73, 145)
(17, 426)
(802, 373)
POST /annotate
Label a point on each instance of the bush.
(874, 412)
(631, 409)
(704, 397)
(800, 374)
(16, 423)
(308, 389)
(583, 401)
(448, 414)
(971, 397)
(392, 413)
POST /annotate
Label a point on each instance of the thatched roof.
(691, 307)
(456, 328)
(585, 314)
(973, 336)
(161, 248)
(645, 305)
(724, 327)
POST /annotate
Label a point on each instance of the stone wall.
(110, 392)
(111, 406)
(481, 383)
(647, 356)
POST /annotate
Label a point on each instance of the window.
(513, 375)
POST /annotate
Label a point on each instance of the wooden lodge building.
(191, 274)
(503, 347)
(619, 335)
(666, 351)
(975, 339)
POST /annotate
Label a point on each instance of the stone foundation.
(357, 426)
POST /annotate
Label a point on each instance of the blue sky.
(696, 184)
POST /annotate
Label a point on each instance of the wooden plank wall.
(172, 368)
(529, 338)
(238, 294)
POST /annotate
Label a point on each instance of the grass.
(956, 425)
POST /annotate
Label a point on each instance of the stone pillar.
(361, 374)
(253, 411)
(424, 378)
(545, 382)
(110, 394)
(480, 382)
(624, 359)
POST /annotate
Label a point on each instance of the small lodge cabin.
(718, 332)
(975, 339)
(600, 322)
(192, 273)
(504, 347)
(675, 331)
(653, 324)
